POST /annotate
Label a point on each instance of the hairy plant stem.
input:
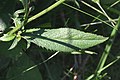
(107, 50)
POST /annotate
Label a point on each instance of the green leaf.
(19, 70)
(17, 22)
(96, 1)
(7, 37)
(17, 13)
(26, 5)
(64, 39)
(15, 42)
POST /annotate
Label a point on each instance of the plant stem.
(45, 10)
(38, 15)
(105, 14)
(107, 49)
(87, 14)
(92, 7)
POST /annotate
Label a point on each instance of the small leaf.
(64, 39)
(15, 42)
(96, 1)
(7, 37)
(26, 8)
(16, 13)
(17, 22)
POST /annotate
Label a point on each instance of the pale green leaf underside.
(64, 39)
(7, 37)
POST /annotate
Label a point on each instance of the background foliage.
(27, 61)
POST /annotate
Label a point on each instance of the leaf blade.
(15, 42)
(64, 39)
